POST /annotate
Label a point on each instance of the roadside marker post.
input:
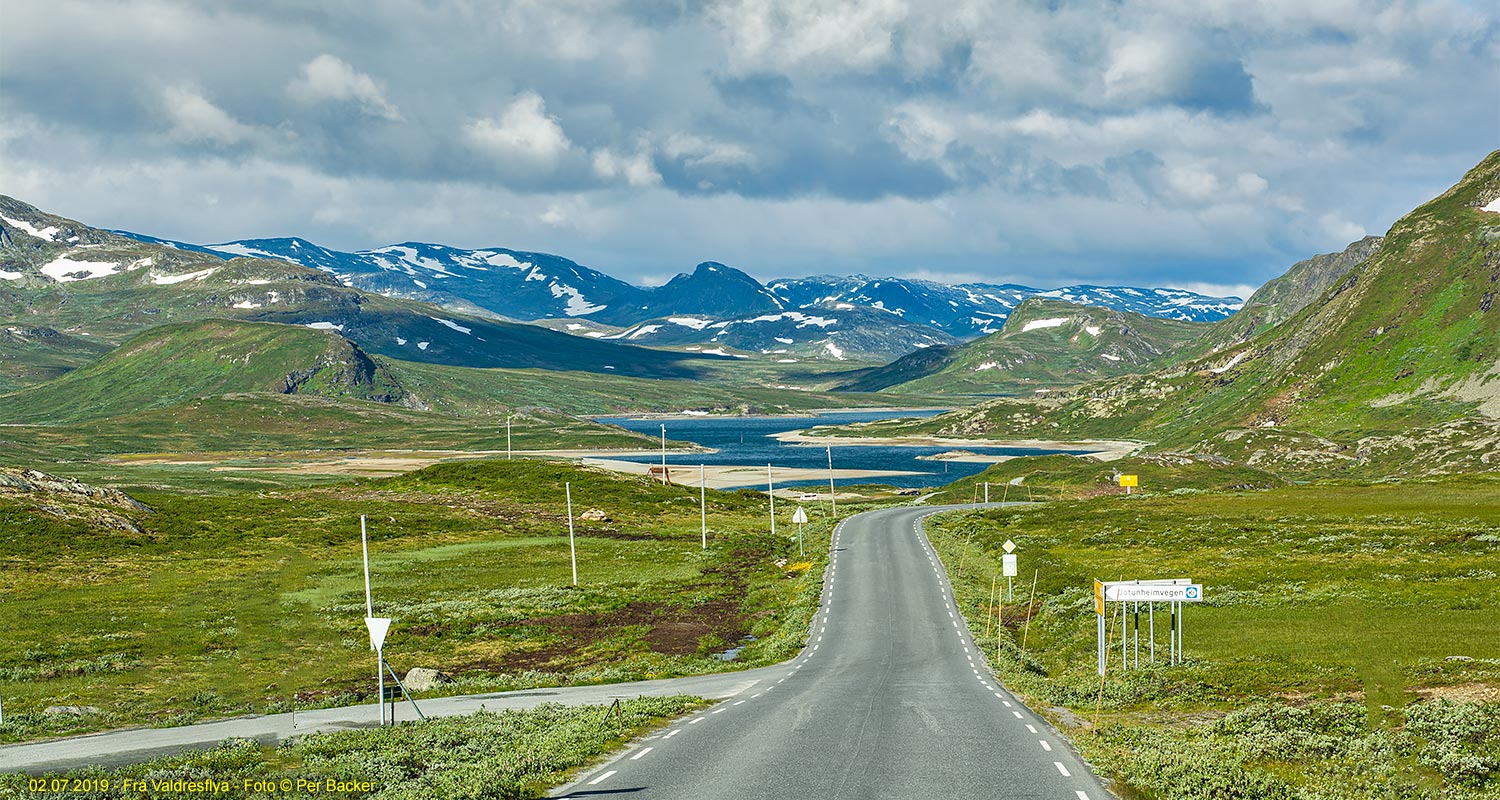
(572, 544)
(799, 518)
(1008, 566)
(833, 497)
(1026, 633)
(986, 492)
(507, 437)
(989, 611)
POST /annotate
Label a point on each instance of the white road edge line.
(603, 777)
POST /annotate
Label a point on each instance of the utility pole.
(703, 501)
(572, 546)
(771, 490)
(832, 495)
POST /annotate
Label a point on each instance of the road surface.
(890, 699)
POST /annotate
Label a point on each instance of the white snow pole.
(703, 502)
(572, 546)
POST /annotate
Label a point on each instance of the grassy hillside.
(172, 364)
(253, 601)
(1045, 344)
(1345, 649)
(31, 355)
(1064, 477)
(1400, 357)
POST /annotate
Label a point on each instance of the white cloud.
(854, 35)
(700, 151)
(195, 119)
(328, 78)
(523, 134)
(1240, 290)
(637, 170)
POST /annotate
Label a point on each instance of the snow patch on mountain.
(1052, 322)
(454, 325)
(577, 304)
(167, 280)
(9, 276)
(49, 233)
(66, 270)
(325, 326)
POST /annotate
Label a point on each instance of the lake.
(747, 440)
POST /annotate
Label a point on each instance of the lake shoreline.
(1102, 449)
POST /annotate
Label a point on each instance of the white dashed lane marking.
(673, 733)
(602, 778)
(644, 751)
(1045, 746)
(1062, 769)
(1031, 728)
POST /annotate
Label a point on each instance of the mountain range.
(856, 318)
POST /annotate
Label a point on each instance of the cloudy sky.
(1193, 143)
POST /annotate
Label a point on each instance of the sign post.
(1129, 481)
(378, 626)
(1175, 592)
(799, 518)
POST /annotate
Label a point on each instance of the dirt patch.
(670, 630)
(1462, 693)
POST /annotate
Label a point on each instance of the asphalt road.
(891, 699)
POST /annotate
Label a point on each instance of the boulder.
(594, 515)
(72, 711)
(421, 679)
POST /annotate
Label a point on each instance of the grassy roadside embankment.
(1346, 647)
(217, 605)
(506, 754)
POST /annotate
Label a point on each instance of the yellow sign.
(1129, 480)
(1098, 597)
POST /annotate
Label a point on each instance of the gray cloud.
(1171, 141)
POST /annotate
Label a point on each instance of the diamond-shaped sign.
(1010, 547)
(378, 626)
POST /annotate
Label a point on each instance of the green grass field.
(1347, 647)
(253, 601)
